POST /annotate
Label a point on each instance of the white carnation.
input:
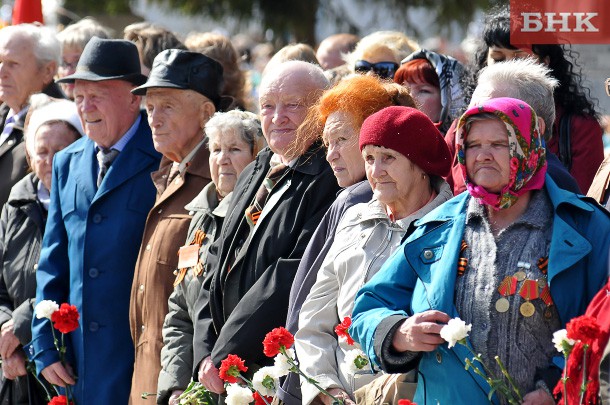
(560, 337)
(45, 308)
(282, 365)
(266, 381)
(356, 360)
(454, 331)
(238, 395)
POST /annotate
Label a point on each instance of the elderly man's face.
(20, 73)
(176, 118)
(107, 109)
(284, 101)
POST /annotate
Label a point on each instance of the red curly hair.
(417, 71)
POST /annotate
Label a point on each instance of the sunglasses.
(384, 70)
(607, 86)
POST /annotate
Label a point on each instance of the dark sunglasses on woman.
(384, 70)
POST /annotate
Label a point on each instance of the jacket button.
(428, 254)
(439, 357)
(35, 266)
(148, 247)
(142, 328)
(93, 272)
(160, 210)
(97, 218)
(31, 350)
(141, 287)
(94, 326)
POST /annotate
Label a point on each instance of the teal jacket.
(421, 276)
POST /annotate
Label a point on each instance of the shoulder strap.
(565, 150)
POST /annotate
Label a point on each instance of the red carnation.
(277, 338)
(405, 402)
(584, 328)
(231, 367)
(65, 319)
(258, 399)
(59, 400)
(341, 330)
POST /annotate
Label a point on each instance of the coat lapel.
(137, 155)
(83, 166)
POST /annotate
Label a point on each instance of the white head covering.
(60, 110)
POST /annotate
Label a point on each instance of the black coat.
(238, 308)
(13, 164)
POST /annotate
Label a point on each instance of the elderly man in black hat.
(182, 93)
(100, 198)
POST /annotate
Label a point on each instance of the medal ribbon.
(545, 296)
(529, 290)
(508, 286)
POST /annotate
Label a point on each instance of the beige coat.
(601, 181)
(166, 228)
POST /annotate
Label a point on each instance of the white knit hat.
(60, 110)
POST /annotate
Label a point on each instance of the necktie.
(9, 124)
(105, 158)
(253, 212)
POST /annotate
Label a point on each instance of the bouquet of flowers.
(65, 319)
(580, 345)
(456, 331)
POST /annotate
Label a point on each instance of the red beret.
(410, 132)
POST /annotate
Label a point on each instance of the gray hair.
(524, 79)
(45, 44)
(315, 74)
(77, 35)
(245, 123)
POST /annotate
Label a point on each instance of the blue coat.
(88, 257)
(412, 282)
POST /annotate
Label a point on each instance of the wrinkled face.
(392, 176)
(428, 97)
(20, 74)
(488, 155)
(48, 140)
(69, 60)
(497, 54)
(341, 138)
(176, 119)
(107, 109)
(229, 155)
(283, 106)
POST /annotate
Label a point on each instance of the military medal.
(545, 296)
(528, 291)
(507, 287)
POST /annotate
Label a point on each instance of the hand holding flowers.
(65, 319)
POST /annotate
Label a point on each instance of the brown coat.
(601, 182)
(165, 231)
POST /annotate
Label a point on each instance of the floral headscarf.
(526, 148)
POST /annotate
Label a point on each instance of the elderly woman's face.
(341, 137)
(69, 60)
(229, 155)
(392, 176)
(488, 155)
(48, 140)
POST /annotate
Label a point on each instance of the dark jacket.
(177, 352)
(21, 228)
(243, 305)
(13, 164)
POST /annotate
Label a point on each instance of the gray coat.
(21, 228)
(177, 352)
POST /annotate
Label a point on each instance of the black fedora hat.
(108, 59)
(178, 69)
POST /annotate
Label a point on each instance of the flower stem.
(251, 386)
(565, 380)
(583, 386)
(510, 379)
(310, 380)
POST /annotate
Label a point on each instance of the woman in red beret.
(405, 159)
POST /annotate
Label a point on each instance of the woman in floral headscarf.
(515, 256)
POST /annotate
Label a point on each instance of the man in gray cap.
(182, 93)
(100, 198)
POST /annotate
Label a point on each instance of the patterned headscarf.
(449, 72)
(526, 148)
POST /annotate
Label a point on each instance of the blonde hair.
(397, 42)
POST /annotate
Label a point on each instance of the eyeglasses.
(608, 86)
(384, 70)
(67, 65)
